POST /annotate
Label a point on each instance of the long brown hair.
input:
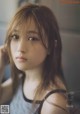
(44, 20)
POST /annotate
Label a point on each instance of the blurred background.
(68, 17)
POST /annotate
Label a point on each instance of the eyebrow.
(30, 31)
(15, 30)
(34, 32)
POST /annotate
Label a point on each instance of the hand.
(4, 58)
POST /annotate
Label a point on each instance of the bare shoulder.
(55, 104)
(6, 91)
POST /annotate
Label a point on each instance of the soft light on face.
(27, 49)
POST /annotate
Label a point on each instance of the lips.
(21, 59)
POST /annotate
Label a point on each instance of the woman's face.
(27, 49)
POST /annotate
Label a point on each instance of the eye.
(33, 39)
(14, 37)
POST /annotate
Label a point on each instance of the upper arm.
(6, 91)
(55, 104)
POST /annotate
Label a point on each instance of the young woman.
(33, 49)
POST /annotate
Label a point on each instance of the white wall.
(7, 9)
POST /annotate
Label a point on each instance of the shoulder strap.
(55, 91)
(50, 93)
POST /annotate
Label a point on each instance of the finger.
(3, 48)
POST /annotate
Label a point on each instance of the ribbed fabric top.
(21, 105)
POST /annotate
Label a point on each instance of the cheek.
(41, 52)
(12, 49)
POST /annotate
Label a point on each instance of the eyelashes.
(16, 37)
(33, 39)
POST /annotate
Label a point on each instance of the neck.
(33, 74)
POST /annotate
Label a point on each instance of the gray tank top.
(21, 105)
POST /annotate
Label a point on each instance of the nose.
(21, 47)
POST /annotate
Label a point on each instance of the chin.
(21, 68)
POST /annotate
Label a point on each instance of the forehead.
(26, 25)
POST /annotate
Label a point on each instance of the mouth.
(21, 59)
